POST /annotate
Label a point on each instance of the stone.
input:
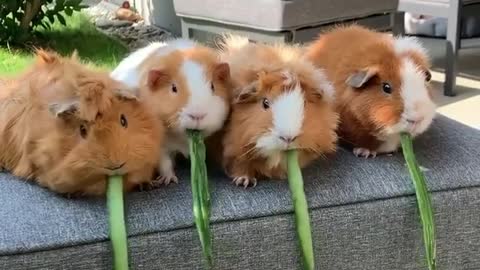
(103, 23)
(135, 35)
(118, 23)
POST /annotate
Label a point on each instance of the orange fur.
(265, 67)
(44, 142)
(364, 112)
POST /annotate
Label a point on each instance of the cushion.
(279, 15)
(363, 213)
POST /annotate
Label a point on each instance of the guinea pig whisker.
(171, 121)
(252, 150)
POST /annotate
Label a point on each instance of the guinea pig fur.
(187, 88)
(281, 102)
(381, 83)
(68, 128)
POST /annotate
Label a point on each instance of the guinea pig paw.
(364, 152)
(166, 179)
(245, 181)
(149, 186)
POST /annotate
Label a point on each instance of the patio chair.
(452, 10)
(277, 20)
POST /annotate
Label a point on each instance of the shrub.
(18, 18)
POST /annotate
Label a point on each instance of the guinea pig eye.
(387, 88)
(265, 103)
(123, 121)
(428, 76)
(212, 87)
(174, 88)
(83, 131)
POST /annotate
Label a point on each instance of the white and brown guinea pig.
(281, 102)
(187, 87)
(68, 128)
(381, 83)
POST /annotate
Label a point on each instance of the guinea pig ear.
(157, 78)
(45, 57)
(64, 110)
(359, 78)
(221, 72)
(93, 96)
(247, 93)
(266, 80)
(129, 94)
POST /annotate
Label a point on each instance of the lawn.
(93, 46)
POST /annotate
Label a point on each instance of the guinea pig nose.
(197, 116)
(116, 167)
(288, 139)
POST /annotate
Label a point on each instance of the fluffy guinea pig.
(281, 102)
(382, 86)
(71, 142)
(186, 86)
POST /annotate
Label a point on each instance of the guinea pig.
(71, 142)
(381, 83)
(187, 88)
(281, 102)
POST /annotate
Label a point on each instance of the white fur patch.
(324, 85)
(288, 113)
(390, 144)
(404, 44)
(233, 42)
(202, 101)
(418, 106)
(128, 69)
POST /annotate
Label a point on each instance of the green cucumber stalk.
(302, 218)
(200, 193)
(423, 200)
(118, 232)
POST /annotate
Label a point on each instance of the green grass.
(93, 46)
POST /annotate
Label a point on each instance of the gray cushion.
(278, 15)
(363, 214)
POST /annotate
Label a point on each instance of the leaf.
(59, 4)
(50, 15)
(118, 232)
(302, 218)
(200, 193)
(423, 200)
(61, 19)
(18, 15)
(12, 6)
(43, 25)
(68, 11)
(73, 2)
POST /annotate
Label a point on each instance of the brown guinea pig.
(282, 103)
(71, 142)
(381, 83)
(186, 86)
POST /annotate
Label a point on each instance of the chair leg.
(185, 29)
(452, 47)
(398, 23)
